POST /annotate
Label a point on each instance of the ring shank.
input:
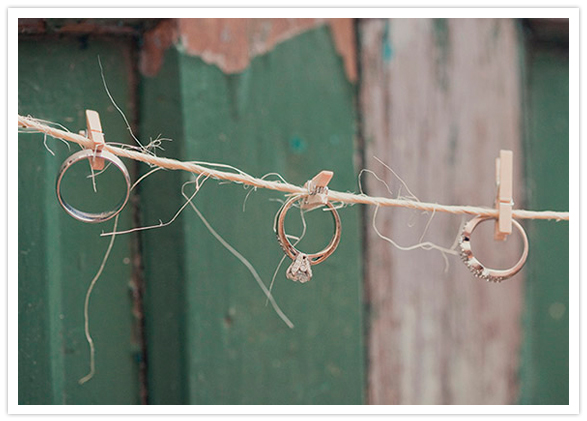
(89, 216)
(288, 247)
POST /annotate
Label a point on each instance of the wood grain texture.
(439, 99)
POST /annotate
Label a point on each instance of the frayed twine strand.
(87, 309)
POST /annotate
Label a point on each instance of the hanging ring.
(91, 155)
(300, 269)
(480, 271)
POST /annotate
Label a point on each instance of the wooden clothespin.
(504, 203)
(94, 133)
(317, 190)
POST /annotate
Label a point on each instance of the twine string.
(243, 178)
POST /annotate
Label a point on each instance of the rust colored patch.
(343, 32)
(230, 44)
(31, 26)
(155, 42)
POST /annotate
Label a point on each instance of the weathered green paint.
(544, 377)
(59, 256)
(210, 336)
(163, 249)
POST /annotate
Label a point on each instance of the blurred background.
(177, 319)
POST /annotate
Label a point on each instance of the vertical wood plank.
(163, 249)
(544, 372)
(58, 255)
(439, 99)
(290, 111)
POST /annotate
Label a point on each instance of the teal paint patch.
(298, 145)
(441, 33)
(387, 51)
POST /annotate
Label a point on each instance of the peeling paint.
(386, 44)
(343, 33)
(155, 42)
(231, 44)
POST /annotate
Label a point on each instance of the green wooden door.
(210, 338)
